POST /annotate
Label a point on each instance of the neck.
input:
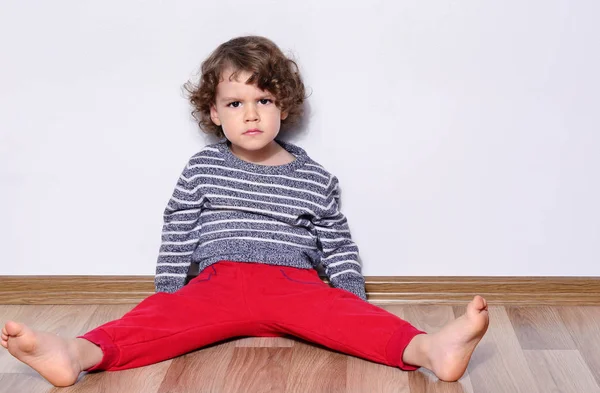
(263, 155)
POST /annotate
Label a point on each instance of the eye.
(234, 104)
(265, 101)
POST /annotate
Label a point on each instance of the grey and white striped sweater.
(225, 208)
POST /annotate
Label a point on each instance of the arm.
(340, 253)
(180, 234)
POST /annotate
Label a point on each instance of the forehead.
(230, 85)
(227, 75)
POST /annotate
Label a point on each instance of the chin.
(256, 143)
(251, 146)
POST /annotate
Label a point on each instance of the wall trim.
(380, 289)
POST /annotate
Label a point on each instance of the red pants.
(231, 299)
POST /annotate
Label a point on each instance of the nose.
(251, 114)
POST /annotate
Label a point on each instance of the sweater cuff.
(352, 283)
(169, 284)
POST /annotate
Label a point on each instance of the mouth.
(254, 131)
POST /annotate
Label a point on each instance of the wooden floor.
(527, 349)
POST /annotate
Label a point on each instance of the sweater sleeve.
(339, 252)
(180, 234)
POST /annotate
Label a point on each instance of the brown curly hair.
(271, 71)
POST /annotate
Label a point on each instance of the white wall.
(465, 134)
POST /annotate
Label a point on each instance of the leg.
(343, 322)
(298, 303)
(162, 326)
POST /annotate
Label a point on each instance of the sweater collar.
(237, 162)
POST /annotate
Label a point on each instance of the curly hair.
(270, 70)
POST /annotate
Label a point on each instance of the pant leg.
(207, 310)
(298, 303)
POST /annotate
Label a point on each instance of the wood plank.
(539, 328)
(583, 324)
(258, 370)
(424, 381)
(508, 298)
(431, 319)
(30, 383)
(562, 371)
(200, 371)
(436, 290)
(498, 364)
(264, 342)
(103, 314)
(316, 370)
(365, 376)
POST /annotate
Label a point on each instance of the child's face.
(242, 108)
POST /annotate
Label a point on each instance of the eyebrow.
(231, 99)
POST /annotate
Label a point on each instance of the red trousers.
(233, 299)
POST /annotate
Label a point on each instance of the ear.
(284, 115)
(214, 115)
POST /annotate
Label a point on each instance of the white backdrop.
(465, 134)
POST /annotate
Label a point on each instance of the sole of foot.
(450, 349)
(55, 358)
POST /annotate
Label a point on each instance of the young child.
(257, 215)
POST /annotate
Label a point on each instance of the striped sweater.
(225, 208)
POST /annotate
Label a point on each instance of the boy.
(257, 215)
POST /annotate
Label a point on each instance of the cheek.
(228, 134)
(228, 117)
(275, 114)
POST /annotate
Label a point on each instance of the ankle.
(417, 351)
(87, 354)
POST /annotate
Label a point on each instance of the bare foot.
(55, 358)
(447, 352)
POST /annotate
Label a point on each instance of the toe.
(13, 328)
(473, 306)
(478, 303)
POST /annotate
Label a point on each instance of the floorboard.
(527, 349)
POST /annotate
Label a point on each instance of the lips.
(254, 131)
